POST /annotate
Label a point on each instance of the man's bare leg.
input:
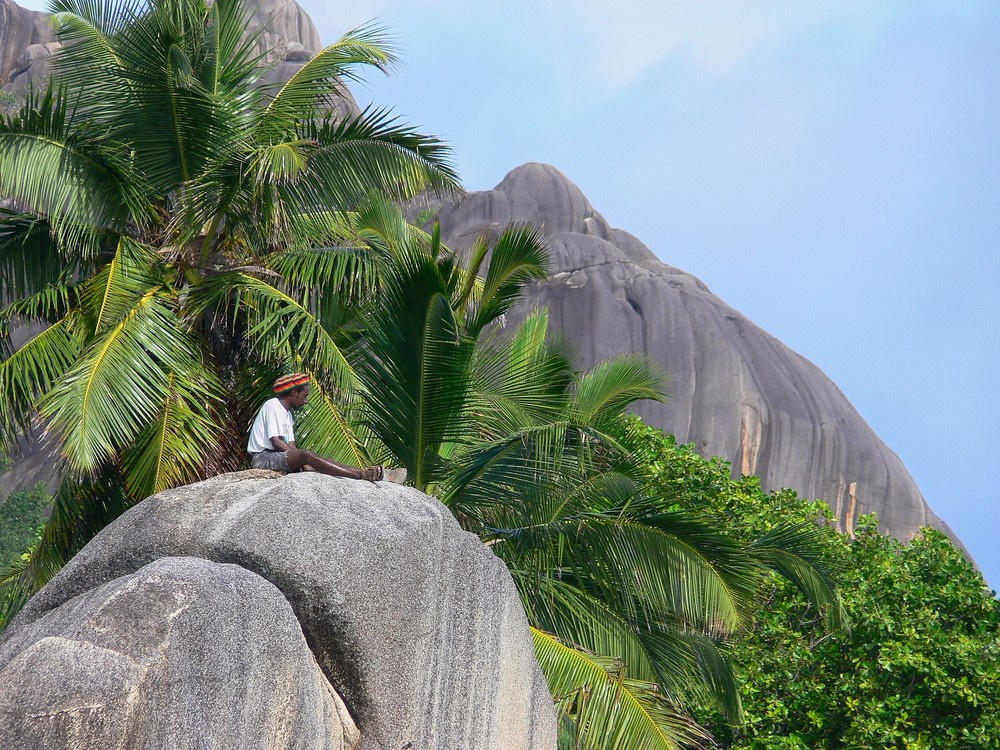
(309, 461)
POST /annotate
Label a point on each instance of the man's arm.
(280, 444)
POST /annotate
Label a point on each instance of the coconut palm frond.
(796, 552)
(318, 83)
(607, 389)
(374, 153)
(71, 176)
(29, 373)
(171, 449)
(328, 426)
(516, 258)
(609, 710)
(582, 619)
(118, 383)
(30, 260)
(415, 364)
(277, 326)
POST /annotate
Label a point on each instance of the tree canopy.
(919, 664)
(178, 236)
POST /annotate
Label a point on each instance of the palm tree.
(180, 236)
(629, 598)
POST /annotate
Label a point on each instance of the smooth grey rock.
(288, 39)
(20, 28)
(183, 653)
(285, 26)
(414, 621)
(735, 391)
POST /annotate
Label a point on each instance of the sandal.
(374, 473)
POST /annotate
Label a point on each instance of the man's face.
(299, 398)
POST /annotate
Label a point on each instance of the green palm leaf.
(374, 153)
(691, 667)
(516, 258)
(642, 567)
(118, 384)
(113, 291)
(278, 327)
(713, 577)
(581, 619)
(608, 709)
(29, 373)
(104, 17)
(613, 385)
(328, 426)
(796, 552)
(332, 282)
(87, 29)
(71, 176)
(415, 366)
(521, 379)
(230, 41)
(30, 261)
(46, 307)
(315, 86)
(171, 450)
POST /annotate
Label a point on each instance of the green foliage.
(919, 666)
(21, 514)
(7, 101)
(180, 237)
(629, 597)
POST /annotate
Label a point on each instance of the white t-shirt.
(273, 420)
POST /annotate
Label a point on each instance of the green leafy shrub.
(20, 516)
(919, 666)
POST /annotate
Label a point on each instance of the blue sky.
(830, 169)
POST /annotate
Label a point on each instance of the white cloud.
(615, 42)
(628, 37)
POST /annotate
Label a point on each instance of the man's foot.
(374, 473)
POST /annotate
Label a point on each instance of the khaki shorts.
(273, 460)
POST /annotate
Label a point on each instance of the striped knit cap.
(287, 382)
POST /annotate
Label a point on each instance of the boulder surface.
(414, 622)
(286, 36)
(20, 28)
(183, 653)
(735, 391)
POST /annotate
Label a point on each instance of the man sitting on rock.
(272, 436)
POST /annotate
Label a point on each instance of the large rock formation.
(287, 37)
(412, 621)
(183, 653)
(735, 391)
(20, 28)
